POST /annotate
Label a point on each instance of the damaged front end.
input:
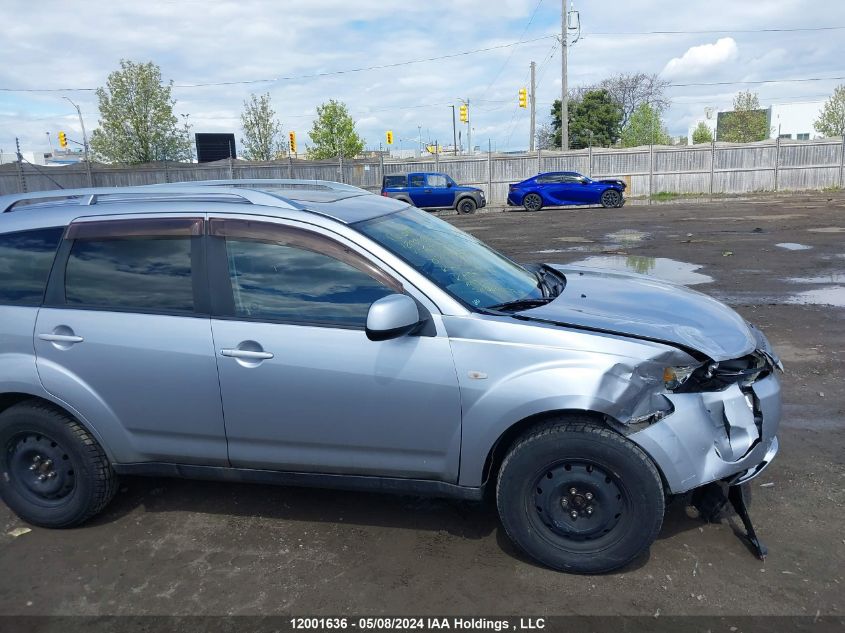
(713, 422)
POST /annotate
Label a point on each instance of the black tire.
(466, 206)
(618, 498)
(53, 473)
(611, 198)
(532, 202)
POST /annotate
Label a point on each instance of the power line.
(717, 31)
(510, 55)
(308, 76)
(757, 82)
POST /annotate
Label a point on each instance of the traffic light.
(523, 98)
(292, 139)
(389, 136)
(62, 140)
(464, 114)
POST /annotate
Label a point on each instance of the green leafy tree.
(333, 133)
(137, 123)
(644, 128)
(746, 123)
(262, 139)
(594, 119)
(702, 133)
(831, 121)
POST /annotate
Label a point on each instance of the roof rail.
(272, 183)
(90, 196)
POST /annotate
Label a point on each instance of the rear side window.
(416, 180)
(394, 181)
(143, 266)
(25, 261)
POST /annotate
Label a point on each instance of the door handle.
(246, 354)
(61, 338)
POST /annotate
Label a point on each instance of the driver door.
(303, 387)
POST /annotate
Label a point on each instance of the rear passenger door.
(125, 335)
(25, 261)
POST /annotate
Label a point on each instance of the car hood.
(643, 307)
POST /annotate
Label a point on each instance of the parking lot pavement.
(181, 547)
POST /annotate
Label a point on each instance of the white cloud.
(701, 59)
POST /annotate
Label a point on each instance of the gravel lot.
(181, 547)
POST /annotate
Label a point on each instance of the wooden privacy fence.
(713, 168)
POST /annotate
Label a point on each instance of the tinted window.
(278, 282)
(545, 180)
(437, 180)
(416, 180)
(143, 273)
(394, 181)
(25, 262)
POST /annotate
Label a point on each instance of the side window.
(132, 265)
(547, 179)
(25, 261)
(394, 181)
(437, 180)
(283, 274)
(416, 180)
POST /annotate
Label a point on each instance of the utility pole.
(564, 88)
(454, 134)
(533, 108)
(84, 142)
(469, 129)
(21, 177)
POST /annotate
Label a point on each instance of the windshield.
(452, 259)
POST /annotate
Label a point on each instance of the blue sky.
(60, 44)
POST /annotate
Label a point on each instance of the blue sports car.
(558, 188)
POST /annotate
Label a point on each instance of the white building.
(795, 120)
(787, 120)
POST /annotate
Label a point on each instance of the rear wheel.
(467, 206)
(54, 473)
(578, 497)
(611, 198)
(532, 202)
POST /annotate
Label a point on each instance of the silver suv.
(324, 336)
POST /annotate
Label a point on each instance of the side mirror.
(391, 317)
(450, 184)
(584, 182)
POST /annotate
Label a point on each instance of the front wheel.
(53, 473)
(580, 498)
(532, 202)
(467, 206)
(611, 199)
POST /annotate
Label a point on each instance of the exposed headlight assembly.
(674, 377)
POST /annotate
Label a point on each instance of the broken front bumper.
(715, 435)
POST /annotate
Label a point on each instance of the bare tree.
(631, 90)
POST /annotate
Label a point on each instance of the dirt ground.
(182, 547)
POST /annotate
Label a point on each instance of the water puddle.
(793, 246)
(627, 237)
(830, 296)
(658, 267)
(837, 277)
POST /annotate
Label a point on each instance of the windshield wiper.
(520, 304)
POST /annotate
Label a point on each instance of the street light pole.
(84, 142)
